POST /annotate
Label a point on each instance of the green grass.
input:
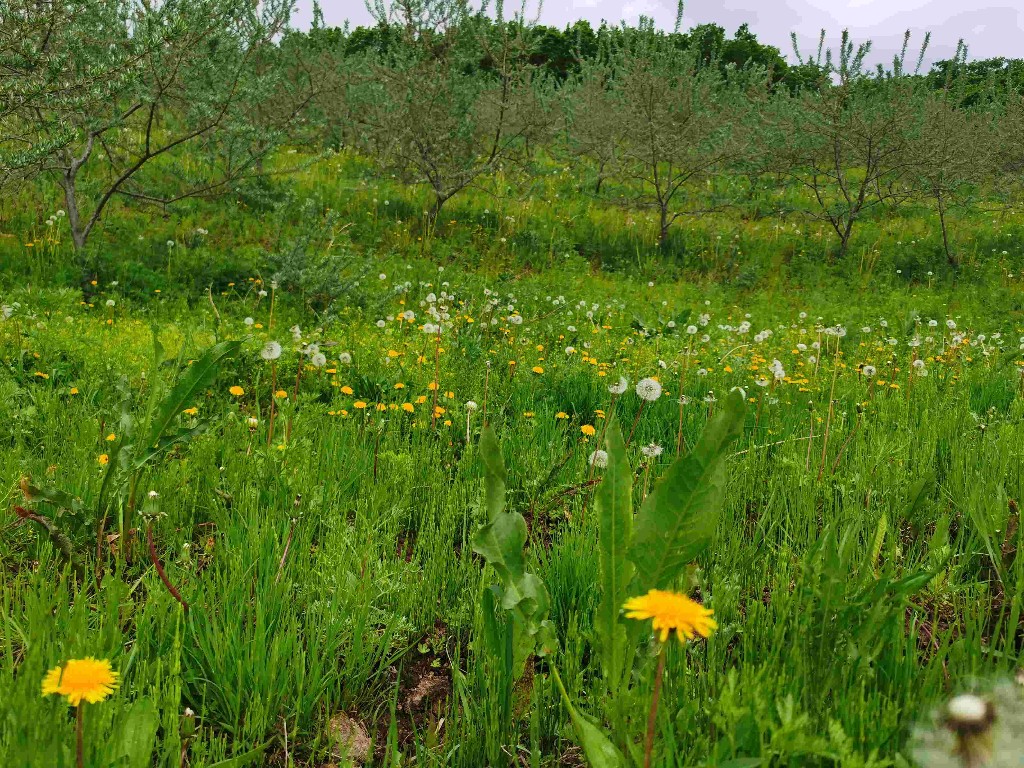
(856, 582)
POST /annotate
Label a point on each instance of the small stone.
(349, 740)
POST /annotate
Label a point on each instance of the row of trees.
(675, 128)
(159, 101)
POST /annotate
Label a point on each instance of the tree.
(152, 80)
(671, 123)
(950, 148)
(455, 102)
(845, 141)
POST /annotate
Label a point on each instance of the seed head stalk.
(437, 376)
(273, 410)
(652, 715)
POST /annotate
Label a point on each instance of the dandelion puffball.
(271, 351)
(648, 389)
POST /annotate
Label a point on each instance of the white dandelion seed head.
(345, 358)
(271, 351)
(319, 359)
(249, 322)
(598, 459)
(651, 451)
(648, 389)
(471, 406)
(870, 371)
(619, 387)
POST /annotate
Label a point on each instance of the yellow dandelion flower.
(237, 391)
(347, 390)
(88, 679)
(537, 369)
(41, 375)
(408, 407)
(561, 415)
(671, 610)
(588, 430)
(111, 437)
(280, 394)
(74, 391)
(191, 411)
(359, 404)
(103, 459)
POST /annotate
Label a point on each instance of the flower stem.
(79, 738)
(652, 717)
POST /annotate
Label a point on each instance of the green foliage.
(614, 507)
(521, 594)
(678, 520)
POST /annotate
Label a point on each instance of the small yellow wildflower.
(103, 459)
(86, 679)
(359, 405)
(588, 430)
(671, 610)
(237, 391)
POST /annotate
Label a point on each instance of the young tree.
(845, 141)
(671, 123)
(456, 101)
(151, 80)
(950, 149)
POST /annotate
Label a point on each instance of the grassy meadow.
(277, 548)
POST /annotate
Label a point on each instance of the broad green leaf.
(167, 442)
(678, 520)
(500, 543)
(197, 376)
(138, 735)
(614, 506)
(598, 748)
(494, 473)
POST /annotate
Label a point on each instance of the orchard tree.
(951, 147)
(155, 101)
(674, 122)
(845, 141)
(453, 104)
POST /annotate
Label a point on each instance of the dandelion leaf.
(614, 506)
(677, 521)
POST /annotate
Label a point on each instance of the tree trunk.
(951, 258)
(79, 234)
(665, 223)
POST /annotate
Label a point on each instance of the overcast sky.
(989, 27)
